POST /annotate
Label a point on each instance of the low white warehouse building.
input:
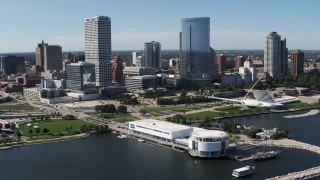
(200, 142)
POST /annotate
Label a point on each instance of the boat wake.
(310, 113)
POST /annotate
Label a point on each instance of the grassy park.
(55, 126)
(15, 107)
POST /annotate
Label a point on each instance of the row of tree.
(184, 100)
(110, 108)
(128, 99)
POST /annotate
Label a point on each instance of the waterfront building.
(208, 143)
(195, 60)
(117, 69)
(221, 60)
(98, 47)
(275, 55)
(297, 59)
(199, 142)
(239, 61)
(12, 65)
(152, 55)
(81, 77)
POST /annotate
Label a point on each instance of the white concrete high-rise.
(275, 55)
(98, 47)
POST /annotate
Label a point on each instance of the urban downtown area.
(195, 100)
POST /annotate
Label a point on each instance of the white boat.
(122, 136)
(141, 140)
(244, 171)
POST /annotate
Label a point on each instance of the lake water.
(107, 157)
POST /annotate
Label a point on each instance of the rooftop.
(160, 125)
(209, 133)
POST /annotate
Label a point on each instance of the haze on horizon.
(234, 24)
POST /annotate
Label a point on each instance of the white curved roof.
(209, 133)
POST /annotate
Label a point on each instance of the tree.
(178, 118)
(18, 134)
(143, 111)
(38, 131)
(4, 137)
(122, 109)
(30, 133)
(45, 130)
(183, 93)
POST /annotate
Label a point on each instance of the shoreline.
(46, 141)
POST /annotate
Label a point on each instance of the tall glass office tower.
(98, 47)
(195, 64)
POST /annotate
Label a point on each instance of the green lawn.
(201, 115)
(13, 107)
(299, 105)
(55, 126)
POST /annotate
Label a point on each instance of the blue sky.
(235, 24)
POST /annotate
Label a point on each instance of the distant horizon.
(233, 24)
(303, 50)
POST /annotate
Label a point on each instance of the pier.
(310, 113)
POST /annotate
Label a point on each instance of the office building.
(134, 83)
(81, 77)
(152, 55)
(138, 71)
(98, 47)
(12, 65)
(297, 59)
(248, 72)
(49, 57)
(275, 55)
(40, 54)
(195, 60)
(52, 57)
(221, 60)
(214, 66)
(239, 61)
(117, 69)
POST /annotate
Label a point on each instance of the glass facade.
(195, 51)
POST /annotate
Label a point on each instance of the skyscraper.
(275, 55)
(297, 59)
(49, 57)
(152, 54)
(52, 57)
(221, 60)
(98, 47)
(40, 54)
(195, 61)
(117, 69)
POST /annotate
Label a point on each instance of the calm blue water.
(107, 157)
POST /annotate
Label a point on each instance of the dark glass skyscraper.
(152, 54)
(195, 64)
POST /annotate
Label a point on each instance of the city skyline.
(234, 24)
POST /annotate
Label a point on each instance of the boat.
(244, 171)
(141, 140)
(261, 156)
(122, 136)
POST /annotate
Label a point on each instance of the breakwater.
(305, 174)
